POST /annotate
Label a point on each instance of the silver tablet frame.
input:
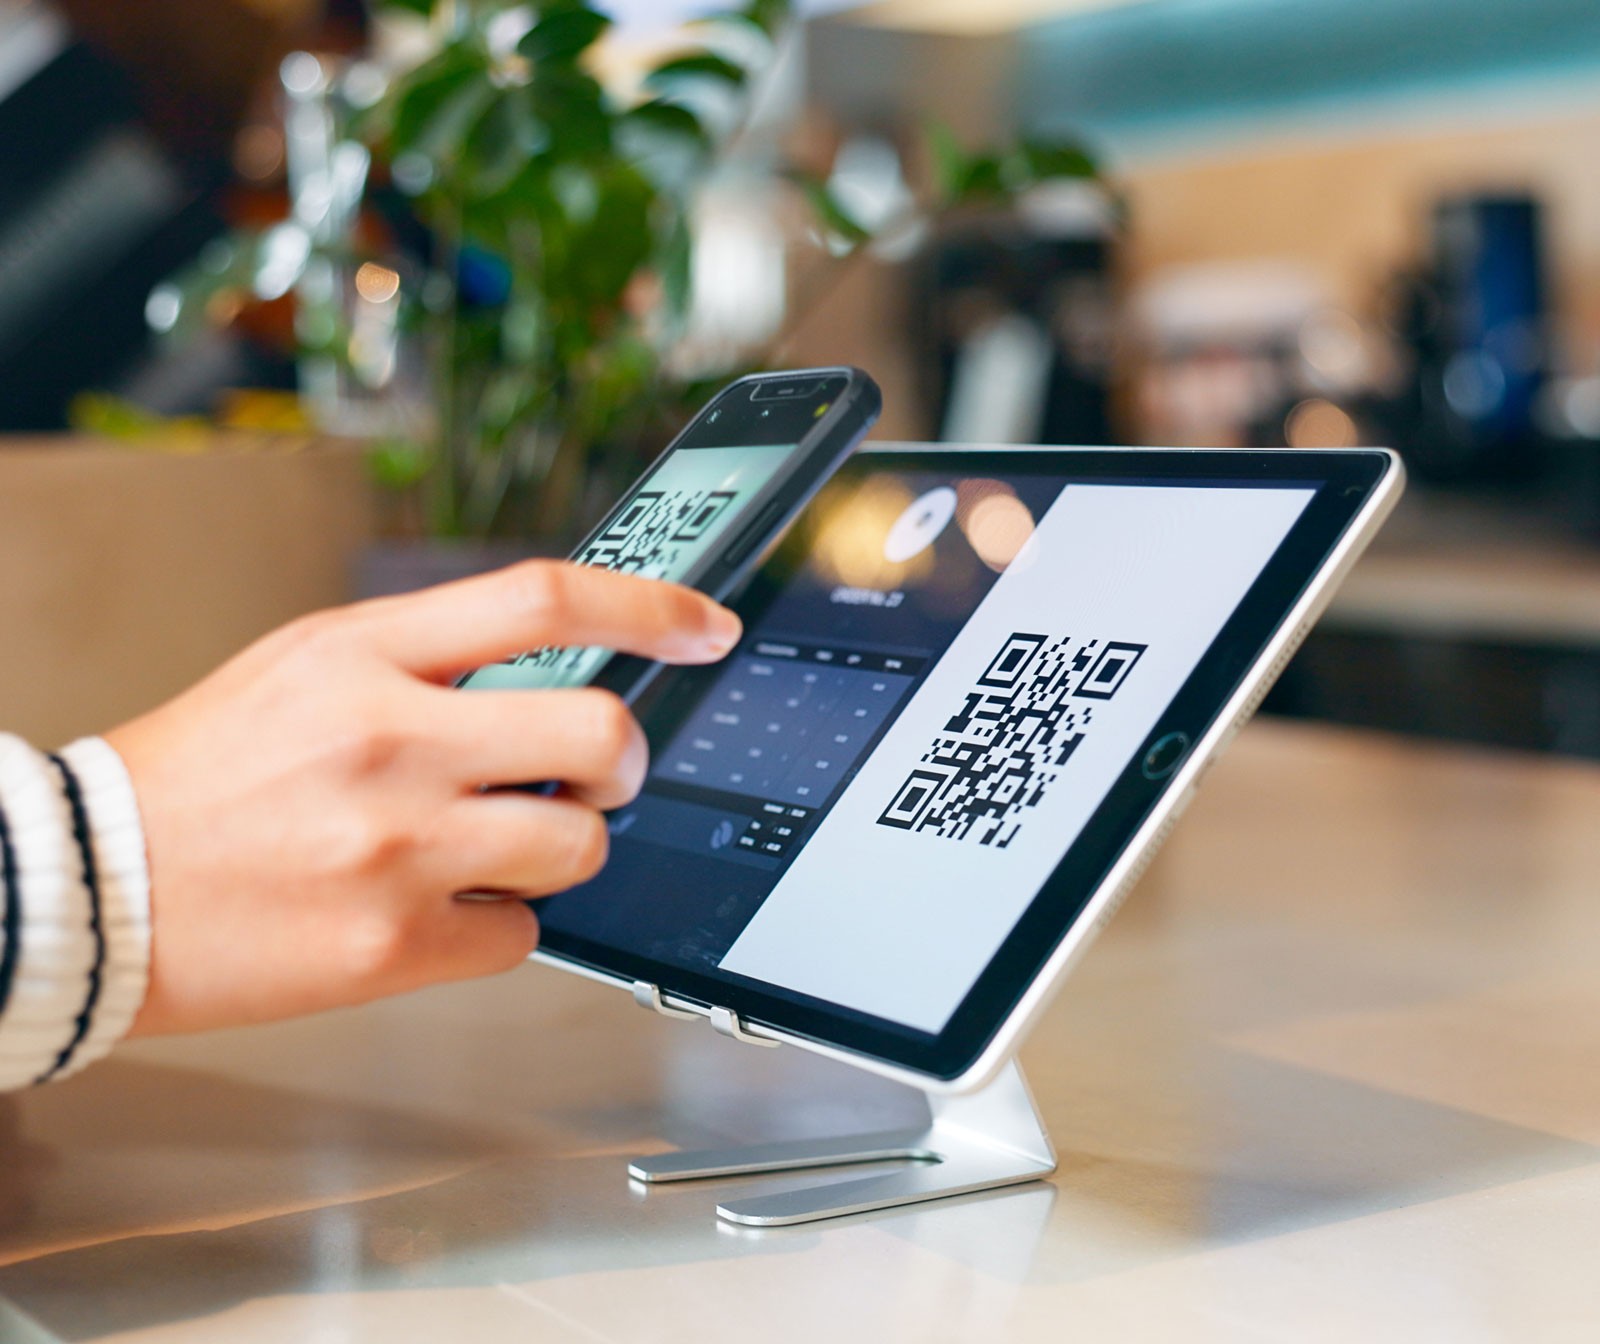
(1146, 841)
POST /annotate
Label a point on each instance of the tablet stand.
(989, 1138)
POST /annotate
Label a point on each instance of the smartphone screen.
(686, 508)
(663, 529)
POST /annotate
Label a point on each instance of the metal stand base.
(982, 1141)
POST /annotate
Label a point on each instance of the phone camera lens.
(766, 411)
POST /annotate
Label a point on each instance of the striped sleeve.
(76, 921)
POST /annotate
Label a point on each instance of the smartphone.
(709, 506)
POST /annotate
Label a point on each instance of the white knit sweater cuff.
(124, 877)
(76, 936)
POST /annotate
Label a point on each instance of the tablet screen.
(943, 679)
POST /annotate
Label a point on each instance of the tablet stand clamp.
(981, 1141)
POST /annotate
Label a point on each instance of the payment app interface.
(677, 515)
(864, 798)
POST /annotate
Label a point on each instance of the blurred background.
(306, 298)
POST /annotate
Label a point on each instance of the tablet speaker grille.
(1145, 860)
(1272, 674)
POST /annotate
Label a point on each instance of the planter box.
(127, 574)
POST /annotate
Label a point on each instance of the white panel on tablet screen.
(910, 884)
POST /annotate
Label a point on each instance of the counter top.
(1333, 1073)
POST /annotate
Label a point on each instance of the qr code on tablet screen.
(652, 535)
(1004, 745)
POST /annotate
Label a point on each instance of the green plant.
(562, 219)
(531, 171)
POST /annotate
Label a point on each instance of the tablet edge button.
(648, 996)
(726, 1022)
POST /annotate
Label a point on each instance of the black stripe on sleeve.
(91, 881)
(13, 913)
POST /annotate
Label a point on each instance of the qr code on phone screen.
(651, 531)
(648, 537)
(1003, 747)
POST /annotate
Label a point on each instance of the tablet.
(975, 689)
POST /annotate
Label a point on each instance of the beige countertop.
(1332, 1074)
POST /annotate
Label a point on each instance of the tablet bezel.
(1357, 489)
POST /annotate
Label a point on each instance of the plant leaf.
(949, 159)
(573, 105)
(676, 267)
(666, 141)
(1048, 159)
(421, 95)
(697, 65)
(504, 138)
(984, 179)
(830, 213)
(399, 464)
(563, 34)
(578, 191)
(766, 17)
(961, 177)
(617, 238)
(669, 118)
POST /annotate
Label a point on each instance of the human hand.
(313, 812)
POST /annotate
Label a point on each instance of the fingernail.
(723, 629)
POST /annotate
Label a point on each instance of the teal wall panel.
(1161, 68)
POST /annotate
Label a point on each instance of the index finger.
(442, 631)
